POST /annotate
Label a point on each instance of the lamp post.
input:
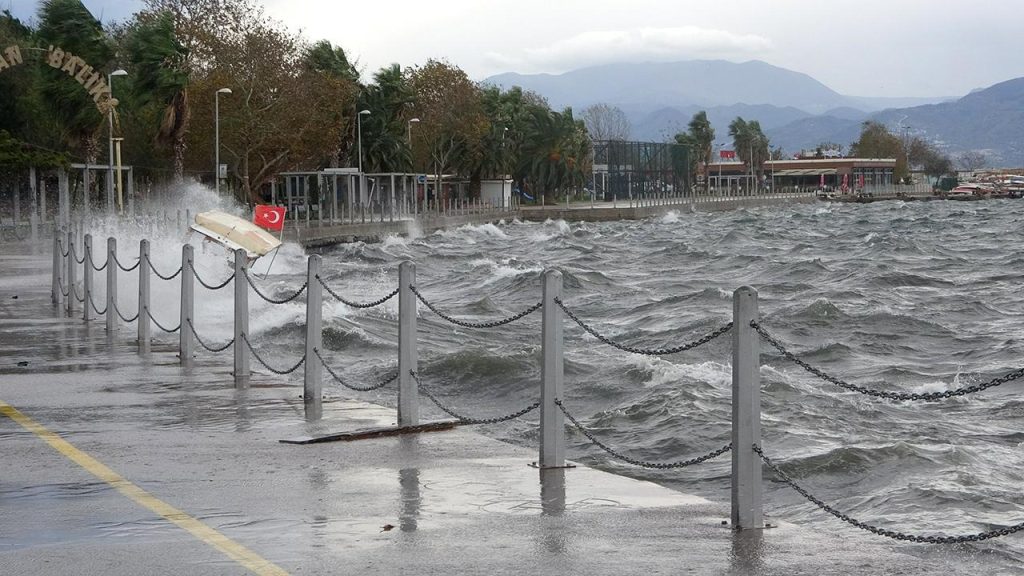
(110, 138)
(359, 140)
(408, 131)
(718, 185)
(216, 132)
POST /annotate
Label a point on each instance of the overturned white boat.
(233, 233)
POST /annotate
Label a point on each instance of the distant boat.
(969, 192)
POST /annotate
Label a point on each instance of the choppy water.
(915, 297)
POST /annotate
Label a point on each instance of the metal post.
(186, 344)
(241, 320)
(56, 296)
(188, 219)
(111, 285)
(87, 279)
(69, 278)
(63, 199)
(408, 406)
(143, 320)
(746, 412)
(313, 376)
(552, 421)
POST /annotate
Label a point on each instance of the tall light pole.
(718, 185)
(110, 138)
(216, 132)
(359, 136)
(408, 131)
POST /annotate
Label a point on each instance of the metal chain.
(161, 276)
(121, 266)
(101, 268)
(204, 345)
(74, 289)
(338, 379)
(645, 351)
(962, 391)
(129, 320)
(272, 300)
(268, 366)
(75, 255)
(195, 273)
(63, 253)
(339, 298)
(465, 324)
(882, 531)
(95, 309)
(634, 461)
(158, 325)
(60, 284)
(465, 419)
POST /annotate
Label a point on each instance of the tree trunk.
(179, 160)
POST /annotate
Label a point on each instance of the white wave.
(671, 217)
(663, 372)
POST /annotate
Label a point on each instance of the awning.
(806, 172)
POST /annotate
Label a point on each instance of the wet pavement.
(200, 483)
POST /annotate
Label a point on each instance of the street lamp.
(110, 138)
(359, 135)
(408, 128)
(216, 132)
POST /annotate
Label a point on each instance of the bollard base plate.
(379, 432)
(539, 467)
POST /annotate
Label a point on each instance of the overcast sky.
(856, 47)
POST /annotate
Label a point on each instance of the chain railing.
(643, 351)
(163, 277)
(206, 346)
(896, 535)
(341, 381)
(123, 317)
(354, 304)
(266, 298)
(126, 269)
(98, 268)
(207, 285)
(466, 419)
(278, 371)
(159, 325)
(95, 309)
(641, 463)
(74, 289)
(464, 324)
(926, 396)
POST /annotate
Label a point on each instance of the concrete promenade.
(114, 463)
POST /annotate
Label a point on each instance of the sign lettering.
(75, 67)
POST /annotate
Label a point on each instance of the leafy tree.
(750, 142)
(876, 141)
(332, 64)
(606, 122)
(389, 100)
(972, 160)
(555, 153)
(452, 121)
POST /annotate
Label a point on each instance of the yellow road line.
(232, 549)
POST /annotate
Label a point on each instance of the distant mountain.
(664, 123)
(702, 83)
(990, 120)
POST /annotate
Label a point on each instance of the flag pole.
(274, 257)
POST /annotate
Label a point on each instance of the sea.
(913, 297)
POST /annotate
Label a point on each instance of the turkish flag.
(269, 217)
(726, 154)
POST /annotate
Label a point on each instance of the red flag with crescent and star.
(269, 217)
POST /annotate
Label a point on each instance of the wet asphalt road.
(187, 447)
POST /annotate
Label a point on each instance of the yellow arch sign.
(90, 79)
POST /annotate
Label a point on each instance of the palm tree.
(554, 152)
(160, 78)
(702, 135)
(385, 145)
(68, 24)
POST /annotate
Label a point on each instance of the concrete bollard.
(56, 296)
(33, 221)
(143, 320)
(241, 320)
(552, 420)
(312, 378)
(111, 285)
(746, 412)
(186, 344)
(69, 278)
(408, 396)
(87, 279)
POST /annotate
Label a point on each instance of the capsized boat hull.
(233, 233)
